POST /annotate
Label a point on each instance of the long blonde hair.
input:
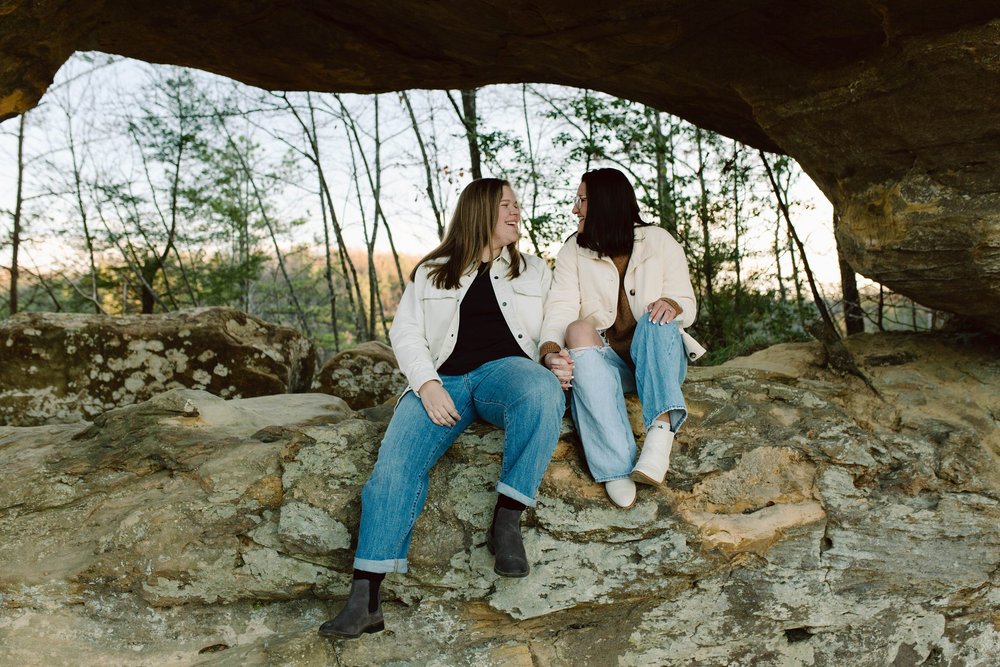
(470, 230)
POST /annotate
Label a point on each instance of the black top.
(483, 334)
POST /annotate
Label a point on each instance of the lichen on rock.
(63, 367)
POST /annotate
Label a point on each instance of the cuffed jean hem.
(613, 478)
(381, 566)
(674, 426)
(514, 494)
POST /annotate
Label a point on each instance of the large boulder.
(886, 105)
(63, 367)
(364, 376)
(805, 521)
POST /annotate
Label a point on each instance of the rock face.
(805, 522)
(58, 367)
(886, 105)
(364, 376)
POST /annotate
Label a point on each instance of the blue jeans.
(600, 380)
(514, 393)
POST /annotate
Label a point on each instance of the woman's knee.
(581, 334)
(663, 330)
(542, 387)
(393, 468)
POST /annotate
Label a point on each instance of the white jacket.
(585, 286)
(425, 328)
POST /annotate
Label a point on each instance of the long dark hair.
(612, 213)
(470, 230)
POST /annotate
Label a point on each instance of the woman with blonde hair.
(620, 301)
(466, 336)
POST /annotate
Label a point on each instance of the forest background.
(137, 188)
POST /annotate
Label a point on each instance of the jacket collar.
(503, 257)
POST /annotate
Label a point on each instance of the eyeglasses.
(578, 200)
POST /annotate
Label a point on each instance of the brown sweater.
(619, 334)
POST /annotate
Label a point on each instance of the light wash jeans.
(600, 380)
(518, 395)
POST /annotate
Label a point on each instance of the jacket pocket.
(440, 307)
(527, 289)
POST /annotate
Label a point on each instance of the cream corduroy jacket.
(585, 286)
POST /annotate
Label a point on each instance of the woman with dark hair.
(466, 336)
(619, 303)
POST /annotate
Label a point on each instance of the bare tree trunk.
(170, 227)
(18, 208)
(147, 298)
(328, 273)
(78, 188)
(348, 271)
(270, 230)
(796, 281)
(824, 313)
(881, 307)
(737, 208)
(438, 218)
(854, 317)
(352, 139)
(131, 259)
(472, 129)
(664, 196)
(777, 262)
(328, 267)
(707, 262)
(469, 120)
(162, 257)
(375, 184)
(532, 234)
(837, 354)
(377, 191)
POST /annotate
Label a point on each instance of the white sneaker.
(621, 492)
(655, 457)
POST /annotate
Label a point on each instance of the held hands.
(661, 312)
(561, 364)
(438, 404)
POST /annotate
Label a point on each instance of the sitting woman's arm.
(562, 306)
(677, 283)
(409, 343)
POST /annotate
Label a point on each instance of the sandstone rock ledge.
(61, 367)
(806, 522)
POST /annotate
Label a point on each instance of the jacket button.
(504, 303)
(520, 336)
(496, 277)
(632, 292)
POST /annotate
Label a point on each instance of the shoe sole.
(624, 507)
(509, 575)
(371, 629)
(643, 478)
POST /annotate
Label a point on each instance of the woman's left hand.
(561, 365)
(661, 312)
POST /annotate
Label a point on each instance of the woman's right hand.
(438, 404)
(561, 364)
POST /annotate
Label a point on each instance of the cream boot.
(655, 457)
(621, 492)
